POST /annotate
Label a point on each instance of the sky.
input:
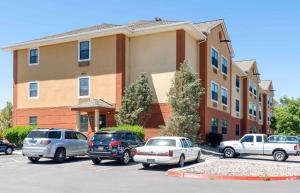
(268, 31)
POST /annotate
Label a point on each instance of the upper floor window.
(259, 98)
(237, 106)
(237, 81)
(84, 51)
(250, 109)
(214, 58)
(254, 110)
(33, 56)
(33, 89)
(250, 86)
(214, 91)
(259, 115)
(254, 89)
(224, 96)
(84, 86)
(224, 65)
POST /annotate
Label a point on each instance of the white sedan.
(167, 150)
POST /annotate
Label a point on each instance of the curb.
(182, 174)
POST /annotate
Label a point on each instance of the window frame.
(38, 56)
(90, 50)
(37, 92)
(211, 86)
(223, 88)
(223, 57)
(211, 55)
(89, 82)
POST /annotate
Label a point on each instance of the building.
(76, 79)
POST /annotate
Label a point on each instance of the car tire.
(145, 165)
(96, 161)
(279, 156)
(126, 158)
(198, 159)
(229, 152)
(9, 150)
(34, 159)
(60, 155)
(181, 161)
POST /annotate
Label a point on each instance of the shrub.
(138, 130)
(214, 139)
(1, 134)
(17, 134)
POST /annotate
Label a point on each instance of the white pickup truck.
(257, 144)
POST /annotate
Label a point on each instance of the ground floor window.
(214, 125)
(84, 123)
(33, 120)
(253, 130)
(237, 130)
(224, 127)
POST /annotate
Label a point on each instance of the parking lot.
(17, 174)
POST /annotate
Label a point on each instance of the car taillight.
(45, 142)
(296, 147)
(114, 144)
(170, 153)
(91, 144)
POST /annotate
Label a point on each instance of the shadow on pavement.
(68, 160)
(267, 158)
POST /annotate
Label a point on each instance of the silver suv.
(57, 144)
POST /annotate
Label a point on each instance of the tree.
(6, 116)
(286, 119)
(135, 102)
(184, 100)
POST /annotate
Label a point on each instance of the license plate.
(100, 148)
(150, 161)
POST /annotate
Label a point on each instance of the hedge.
(214, 139)
(1, 135)
(17, 134)
(139, 130)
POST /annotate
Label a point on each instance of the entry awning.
(93, 104)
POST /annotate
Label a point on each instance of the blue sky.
(268, 31)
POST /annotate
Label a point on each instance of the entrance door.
(102, 121)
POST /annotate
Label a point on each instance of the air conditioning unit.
(224, 108)
(237, 115)
(215, 104)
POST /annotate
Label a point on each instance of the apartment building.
(76, 79)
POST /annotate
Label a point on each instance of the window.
(224, 127)
(33, 56)
(214, 91)
(33, 89)
(259, 98)
(33, 120)
(259, 139)
(224, 66)
(84, 51)
(84, 123)
(248, 139)
(184, 143)
(70, 135)
(214, 125)
(237, 130)
(254, 90)
(80, 136)
(161, 142)
(259, 115)
(254, 110)
(214, 58)
(224, 96)
(84, 87)
(250, 86)
(237, 106)
(237, 81)
(250, 109)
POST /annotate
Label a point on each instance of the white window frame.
(90, 50)
(254, 86)
(78, 82)
(38, 90)
(222, 56)
(38, 56)
(222, 96)
(250, 83)
(213, 82)
(211, 57)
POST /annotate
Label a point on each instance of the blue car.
(6, 147)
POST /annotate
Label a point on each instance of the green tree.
(135, 103)
(286, 118)
(184, 100)
(6, 116)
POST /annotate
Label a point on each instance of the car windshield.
(161, 142)
(106, 137)
(45, 134)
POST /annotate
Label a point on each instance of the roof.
(266, 84)
(238, 67)
(93, 103)
(245, 65)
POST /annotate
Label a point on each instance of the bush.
(1, 134)
(17, 134)
(138, 130)
(214, 139)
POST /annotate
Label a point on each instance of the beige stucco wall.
(58, 73)
(236, 94)
(154, 54)
(213, 40)
(191, 52)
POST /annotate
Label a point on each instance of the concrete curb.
(181, 174)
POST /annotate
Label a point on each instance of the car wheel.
(96, 161)
(34, 159)
(9, 151)
(198, 160)
(279, 156)
(229, 152)
(181, 161)
(126, 158)
(60, 155)
(145, 165)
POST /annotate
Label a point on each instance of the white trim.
(222, 96)
(213, 82)
(90, 50)
(222, 56)
(78, 86)
(211, 57)
(38, 56)
(38, 90)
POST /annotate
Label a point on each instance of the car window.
(68, 135)
(136, 138)
(248, 139)
(80, 136)
(292, 139)
(259, 139)
(161, 142)
(189, 142)
(105, 137)
(184, 144)
(127, 137)
(271, 139)
(45, 134)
